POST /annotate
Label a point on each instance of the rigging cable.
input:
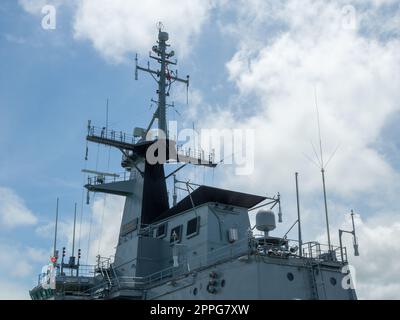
(104, 205)
(81, 213)
(83, 195)
(91, 213)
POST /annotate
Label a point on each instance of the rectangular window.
(176, 234)
(193, 227)
(161, 231)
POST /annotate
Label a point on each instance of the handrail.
(110, 134)
(312, 252)
(122, 137)
(96, 179)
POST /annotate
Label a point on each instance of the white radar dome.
(265, 220)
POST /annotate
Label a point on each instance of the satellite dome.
(265, 220)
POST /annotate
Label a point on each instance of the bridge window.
(176, 234)
(193, 227)
(161, 231)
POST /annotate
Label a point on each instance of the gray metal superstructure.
(202, 247)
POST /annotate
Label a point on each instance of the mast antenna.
(55, 232)
(298, 216)
(107, 117)
(164, 76)
(322, 170)
(73, 234)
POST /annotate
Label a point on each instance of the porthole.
(223, 283)
(290, 276)
(195, 291)
(333, 281)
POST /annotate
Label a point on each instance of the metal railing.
(196, 154)
(109, 134)
(119, 177)
(309, 250)
(122, 137)
(322, 252)
(285, 249)
(87, 271)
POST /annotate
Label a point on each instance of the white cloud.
(14, 262)
(121, 27)
(13, 291)
(18, 269)
(284, 50)
(357, 80)
(98, 232)
(107, 214)
(13, 211)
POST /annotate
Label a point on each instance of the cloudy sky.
(253, 64)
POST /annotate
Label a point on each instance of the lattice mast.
(164, 78)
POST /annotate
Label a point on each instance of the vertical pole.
(162, 122)
(354, 228)
(136, 69)
(298, 216)
(355, 245)
(326, 209)
(73, 235)
(174, 197)
(341, 245)
(62, 260)
(107, 118)
(279, 208)
(55, 232)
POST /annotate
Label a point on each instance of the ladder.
(114, 275)
(322, 284)
(313, 280)
(105, 274)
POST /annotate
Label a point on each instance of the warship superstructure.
(201, 247)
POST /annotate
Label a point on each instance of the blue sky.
(51, 85)
(252, 65)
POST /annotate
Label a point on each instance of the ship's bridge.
(197, 227)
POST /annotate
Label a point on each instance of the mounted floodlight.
(356, 253)
(171, 54)
(279, 214)
(355, 244)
